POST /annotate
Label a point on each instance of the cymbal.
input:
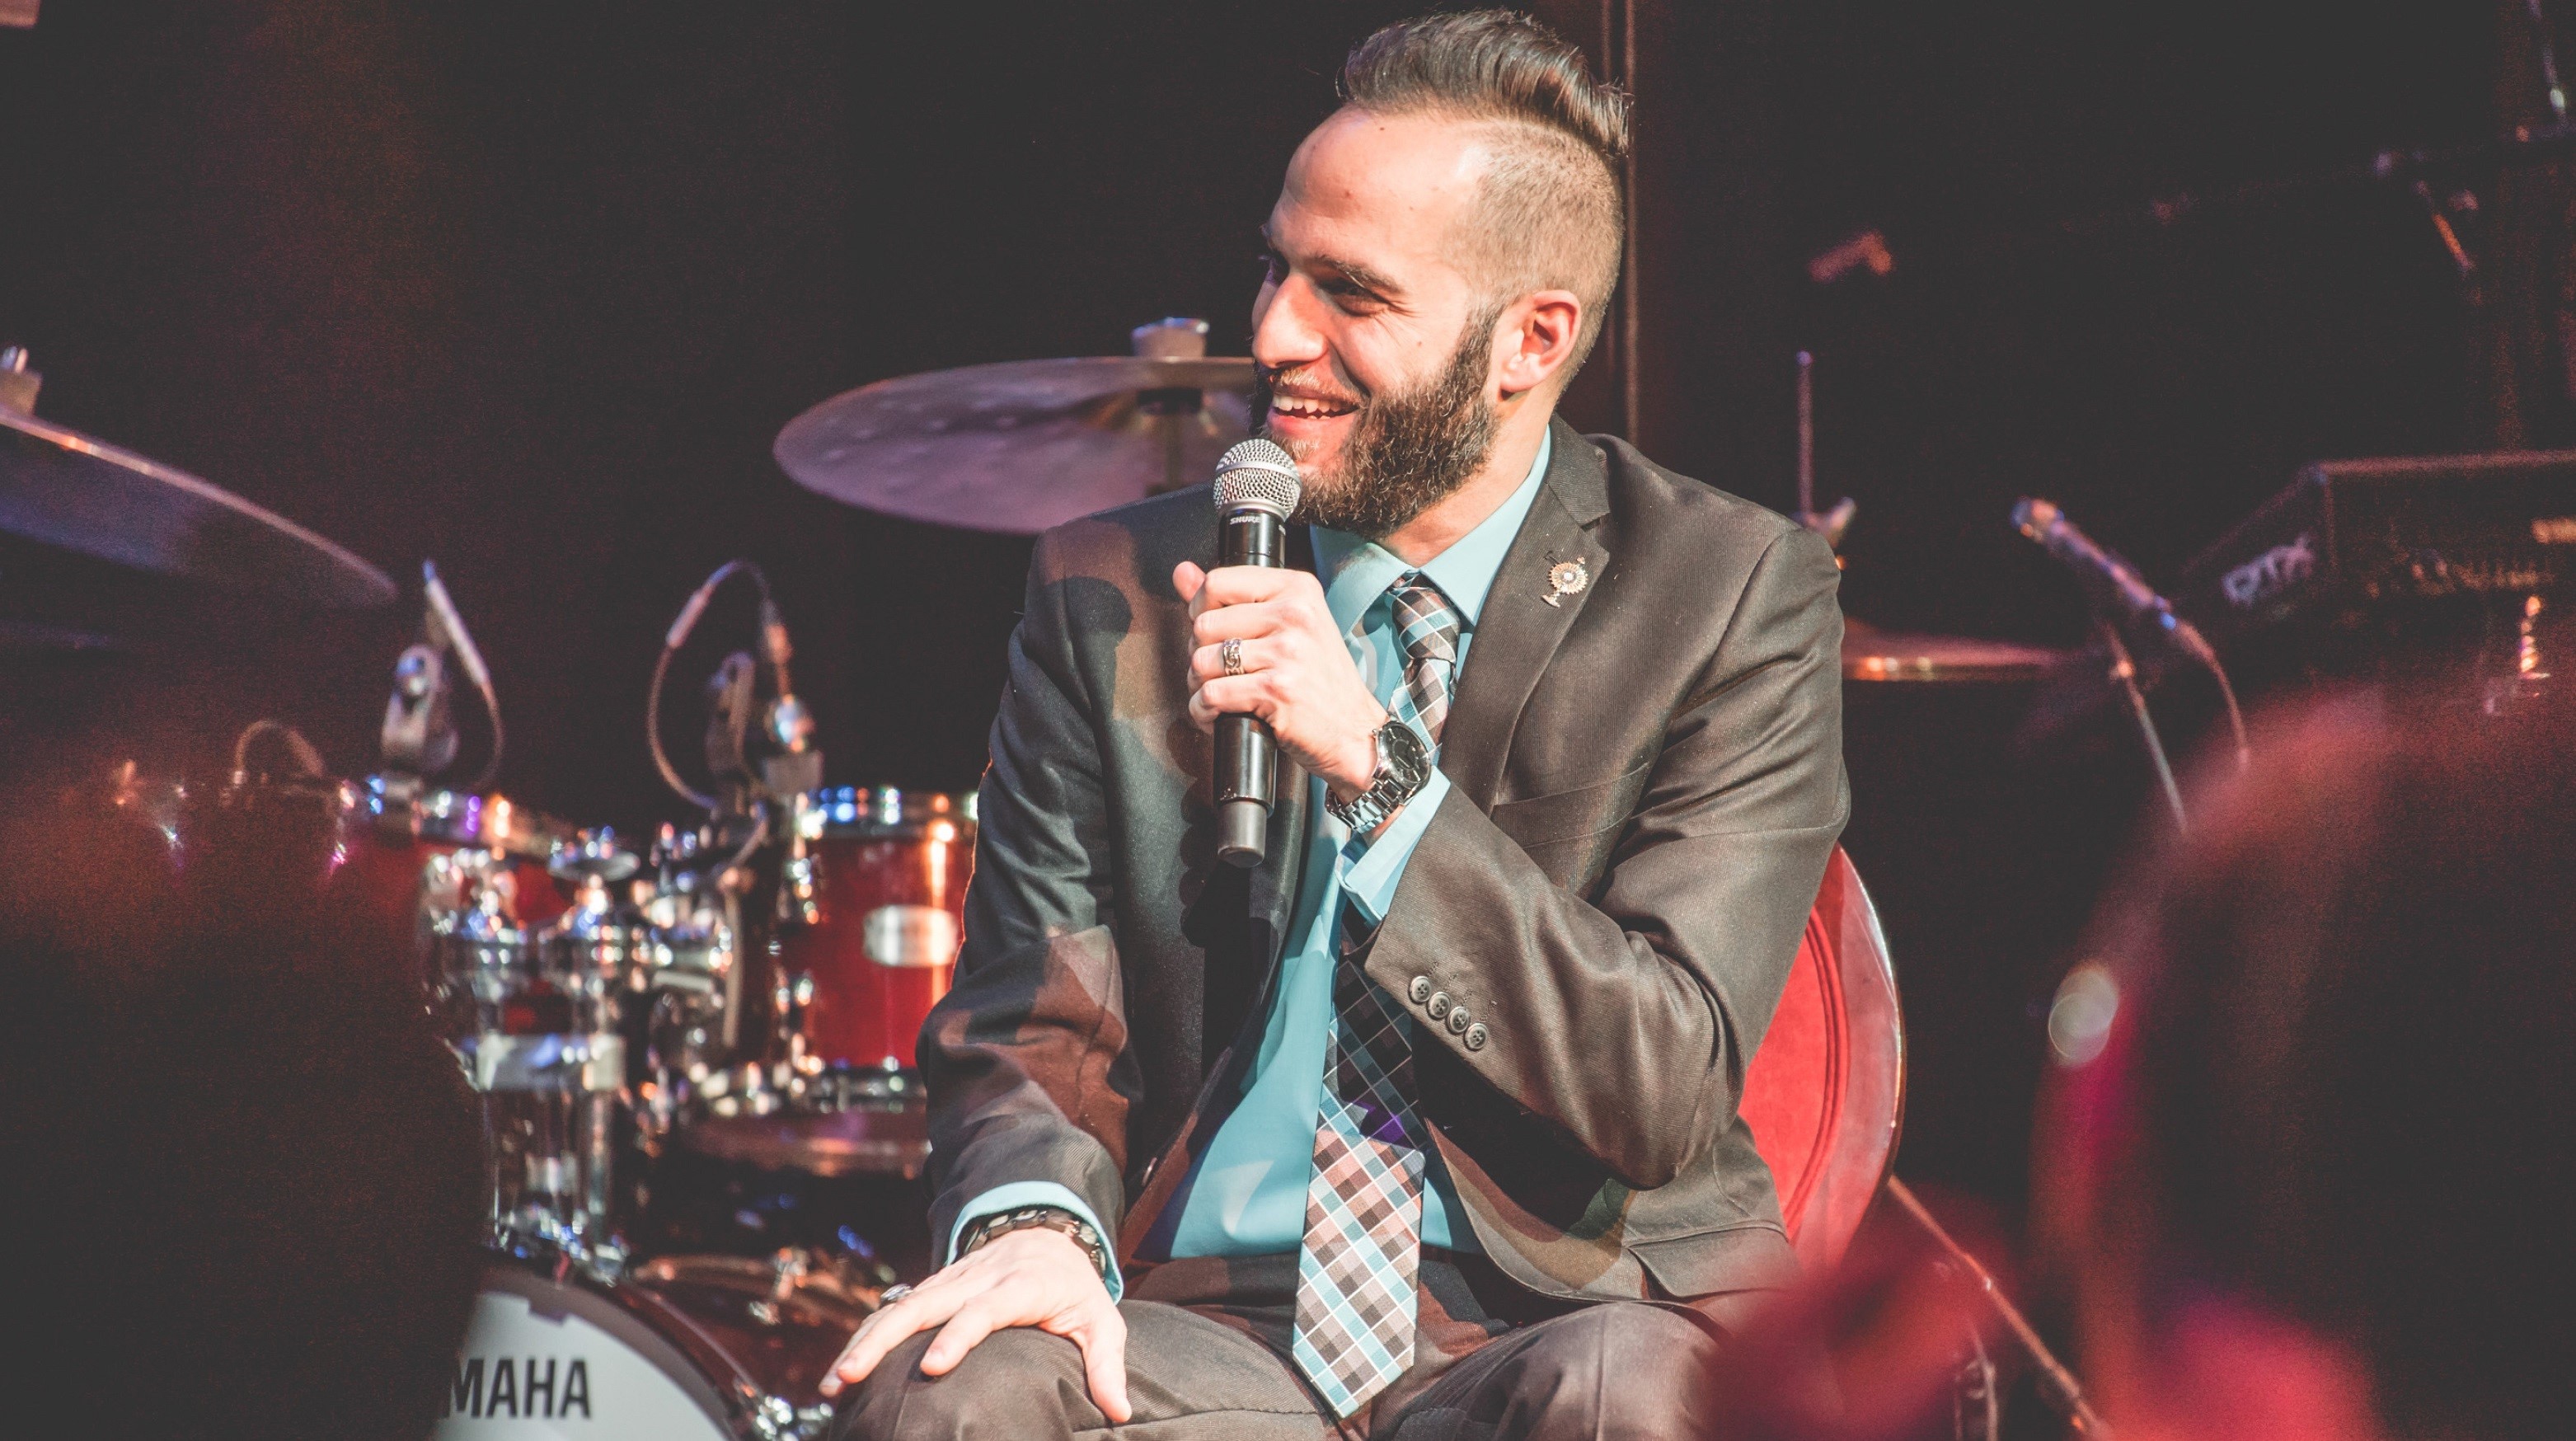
(1022, 445)
(62, 488)
(1872, 654)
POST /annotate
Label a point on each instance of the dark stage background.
(529, 289)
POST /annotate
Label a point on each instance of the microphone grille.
(1258, 472)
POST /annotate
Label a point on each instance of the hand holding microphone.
(1268, 665)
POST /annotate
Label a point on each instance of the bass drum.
(690, 1348)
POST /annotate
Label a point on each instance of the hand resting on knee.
(1026, 1278)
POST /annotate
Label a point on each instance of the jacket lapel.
(1524, 617)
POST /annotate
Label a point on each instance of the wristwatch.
(1403, 768)
(1048, 1218)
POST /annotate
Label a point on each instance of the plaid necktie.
(1356, 1293)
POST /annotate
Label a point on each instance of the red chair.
(1825, 1093)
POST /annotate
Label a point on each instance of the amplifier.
(2354, 535)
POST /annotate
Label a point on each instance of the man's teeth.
(1307, 409)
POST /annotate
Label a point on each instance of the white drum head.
(549, 1359)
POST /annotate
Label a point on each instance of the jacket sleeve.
(1623, 1018)
(1026, 1057)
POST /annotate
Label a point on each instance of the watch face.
(1408, 762)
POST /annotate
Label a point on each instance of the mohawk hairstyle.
(1552, 214)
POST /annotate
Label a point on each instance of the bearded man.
(1428, 1123)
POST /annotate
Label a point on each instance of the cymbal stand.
(1832, 523)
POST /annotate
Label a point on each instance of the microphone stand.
(2125, 672)
(2057, 1384)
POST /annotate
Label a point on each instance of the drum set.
(675, 1040)
(716, 993)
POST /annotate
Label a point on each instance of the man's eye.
(1272, 269)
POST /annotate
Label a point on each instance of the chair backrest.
(1825, 1092)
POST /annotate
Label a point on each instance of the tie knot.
(1425, 623)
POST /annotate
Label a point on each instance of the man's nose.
(1283, 331)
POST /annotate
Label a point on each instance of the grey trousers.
(1207, 1360)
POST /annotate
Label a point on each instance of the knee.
(1012, 1385)
(1626, 1370)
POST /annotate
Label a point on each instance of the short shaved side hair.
(1552, 215)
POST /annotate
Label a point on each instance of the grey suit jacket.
(1647, 781)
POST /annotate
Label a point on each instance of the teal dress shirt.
(1246, 1196)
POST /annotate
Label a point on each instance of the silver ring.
(893, 1293)
(1232, 654)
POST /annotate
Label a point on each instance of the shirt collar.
(1356, 572)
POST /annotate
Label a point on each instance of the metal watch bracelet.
(1402, 768)
(1029, 1218)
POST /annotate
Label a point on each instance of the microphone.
(418, 737)
(2111, 582)
(794, 766)
(1256, 490)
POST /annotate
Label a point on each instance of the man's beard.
(1410, 449)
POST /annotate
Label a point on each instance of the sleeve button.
(1420, 990)
(1458, 1021)
(1476, 1037)
(1438, 1005)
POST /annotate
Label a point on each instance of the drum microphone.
(418, 738)
(789, 764)
(793, 766)
(1256, 490)
(2112, 583)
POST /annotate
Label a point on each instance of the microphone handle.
(1247, 756)
(2112, 577)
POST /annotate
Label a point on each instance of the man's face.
(1374, 344)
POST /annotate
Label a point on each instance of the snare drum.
(689, 1348)
(885, 909)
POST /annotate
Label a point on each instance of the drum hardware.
(1023, 445)
(534, 1020)
(881, 905)
(730, 1013)
(1831, 523)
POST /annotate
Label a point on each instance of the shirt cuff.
(1019, 1194)
(1375, 867)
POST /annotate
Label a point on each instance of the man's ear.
(1534, 339)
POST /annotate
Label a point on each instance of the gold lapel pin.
(1566, 577)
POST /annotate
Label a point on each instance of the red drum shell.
(887, 865)
(379, 867)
